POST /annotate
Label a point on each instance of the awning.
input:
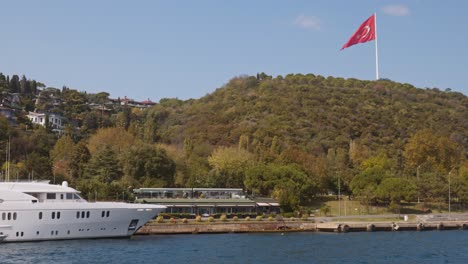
(262, 204)
(274, 204)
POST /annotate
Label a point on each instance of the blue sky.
(186, 49)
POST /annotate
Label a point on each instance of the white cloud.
(308, 22)
(396, 10)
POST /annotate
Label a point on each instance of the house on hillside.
(135, 104)
(55, 120)
(11, 100)
(8, 113)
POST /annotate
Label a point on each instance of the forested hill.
(291, 138)
(315, 114)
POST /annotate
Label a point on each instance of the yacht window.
(58, 215)
(107, 214)
(53, 215)
(9, 216)
(14, 216)
(3, 216)
(77, 214)
(51, 196)
(102, 213)
(40, 215)
(82, 214)
(87, 214)
(61, 196)
(69, 196)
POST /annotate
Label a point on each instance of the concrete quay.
(295, 226)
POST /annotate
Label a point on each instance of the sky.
(186, 49)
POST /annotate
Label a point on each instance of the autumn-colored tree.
(230, 164)
(432, 150)
(116, 138)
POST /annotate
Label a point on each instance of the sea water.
(376, 247)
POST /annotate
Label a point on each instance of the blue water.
(378, 247)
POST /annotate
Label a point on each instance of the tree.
(79, 159)
(149, 165)
(61, 155)
(115, 137)
(365, 184)
(229, 164)
(393, 190)
(104, 165)
(428, 148)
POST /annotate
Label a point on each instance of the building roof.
(187, 189)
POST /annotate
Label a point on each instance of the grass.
(354, 207)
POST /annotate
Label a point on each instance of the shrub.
(279, 218)
(235, 218)
(247, 218)
(292, 218)
(304, 217)
(210, 219)
(259, 218)
(173, 220)
(184, 220)
(223, 218)
(198, 218)
(288, 214)
(160, 219)
(270, 218)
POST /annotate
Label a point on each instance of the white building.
(55, 120)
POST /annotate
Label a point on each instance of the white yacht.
(34, 211)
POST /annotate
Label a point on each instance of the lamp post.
(339, 195)
(417, 176)
(449, 194)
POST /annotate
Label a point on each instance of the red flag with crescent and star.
(366, 32)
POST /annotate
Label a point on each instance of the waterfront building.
(206, 201)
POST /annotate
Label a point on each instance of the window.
(69, 196)
(40, 215)
(9, 216)
(77, 215)
(61, 196)
(87, 214)
(53, 215)
(102, 213)
(107, 214)
(51, 196)
(3, 216)
(14, 216)
(82, 214)
(58, 215)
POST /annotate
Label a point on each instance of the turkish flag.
(365, 32)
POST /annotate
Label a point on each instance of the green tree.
(150, 165)
(393, 190)
(79, 159)
(104, 165)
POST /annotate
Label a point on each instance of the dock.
(295, 226)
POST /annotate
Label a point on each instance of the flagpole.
(376, 51)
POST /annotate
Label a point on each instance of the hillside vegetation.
(292, 138)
